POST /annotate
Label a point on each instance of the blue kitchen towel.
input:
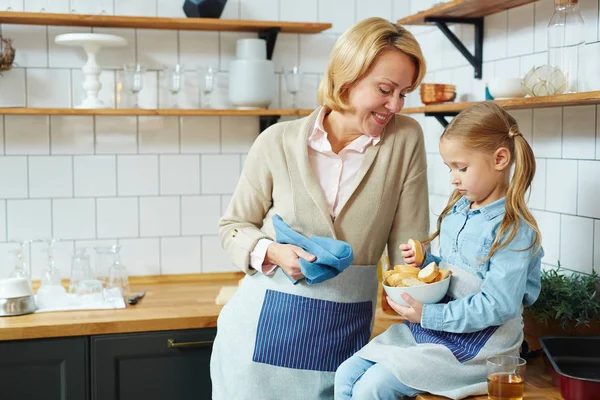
(333, 256)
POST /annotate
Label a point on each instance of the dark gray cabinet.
(172, 365)
(49, 369)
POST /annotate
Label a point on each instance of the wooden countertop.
(186, 302)
(171, 302)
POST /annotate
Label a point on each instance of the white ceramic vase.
(251, 76)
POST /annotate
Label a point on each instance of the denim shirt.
(511, 279)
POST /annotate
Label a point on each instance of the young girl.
(492, 244)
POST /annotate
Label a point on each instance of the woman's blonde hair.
(486, 127)
(354, 53)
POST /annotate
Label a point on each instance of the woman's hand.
(287, 256)
(408, 254)
(412, 313)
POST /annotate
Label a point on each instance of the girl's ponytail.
(516, 207)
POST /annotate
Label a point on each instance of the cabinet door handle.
(171, 344)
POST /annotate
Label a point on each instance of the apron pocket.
(305, 333)
(464, 346)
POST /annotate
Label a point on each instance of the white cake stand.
(91, 43)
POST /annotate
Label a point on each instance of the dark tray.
(576, 363)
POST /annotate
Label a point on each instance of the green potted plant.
(567, 305)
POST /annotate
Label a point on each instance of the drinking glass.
(103, 260)
(207, 77)
(175, 80)
(506, 377)
(118, 280)
(292, 83)
(134, 80)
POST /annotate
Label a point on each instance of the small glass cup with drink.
(506, 377)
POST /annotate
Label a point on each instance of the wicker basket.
(7, 55)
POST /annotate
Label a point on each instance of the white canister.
(251, 76)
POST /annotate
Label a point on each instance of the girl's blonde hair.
(354, 53)
(486, 127)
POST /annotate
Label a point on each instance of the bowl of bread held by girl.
(427, 285)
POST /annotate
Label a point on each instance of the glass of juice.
(506, 377)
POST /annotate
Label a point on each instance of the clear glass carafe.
(566, 36)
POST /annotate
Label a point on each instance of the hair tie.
(512, 133)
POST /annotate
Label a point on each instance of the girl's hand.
(412, 313)
(408, 254)
(287, 257)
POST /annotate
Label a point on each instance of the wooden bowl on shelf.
(433, 93)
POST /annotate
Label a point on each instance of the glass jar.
(566, 36)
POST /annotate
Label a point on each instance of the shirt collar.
(318, 138)
(489, 212)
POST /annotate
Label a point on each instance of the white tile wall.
(13, 177)
(160, 216)
(158, 185)
(181, 255)
(51, 176)
(71, 134)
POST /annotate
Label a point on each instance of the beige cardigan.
(388, 205)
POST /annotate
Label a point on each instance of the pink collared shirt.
(335, 173)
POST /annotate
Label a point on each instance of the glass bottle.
(565, 39)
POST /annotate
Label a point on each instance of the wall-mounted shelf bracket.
(266, 121)
(441, 116)
(270, 35)
(476, 59)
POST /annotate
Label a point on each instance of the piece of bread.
(387, 274)
(429, 273)
(394, 280)
(437, 278)
(407, 269)
(418, 249)
(412, 282)
(445, 273)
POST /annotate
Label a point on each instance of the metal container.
(16, 297)
(576, 364)
(17, 306)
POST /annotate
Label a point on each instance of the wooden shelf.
(463, 9)
(147, 112)
(187, 24)
(562, 100)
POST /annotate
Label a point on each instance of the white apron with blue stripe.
(443, 363)
(285, 341)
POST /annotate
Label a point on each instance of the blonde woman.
(491, 243)
(354, 170)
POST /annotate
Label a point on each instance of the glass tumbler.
(82, 284)
(506, 377)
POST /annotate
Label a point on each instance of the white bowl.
(14, 287)
(427, 294)
(506, 88)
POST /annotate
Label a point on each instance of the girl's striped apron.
(443, 363)
(276, 340)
